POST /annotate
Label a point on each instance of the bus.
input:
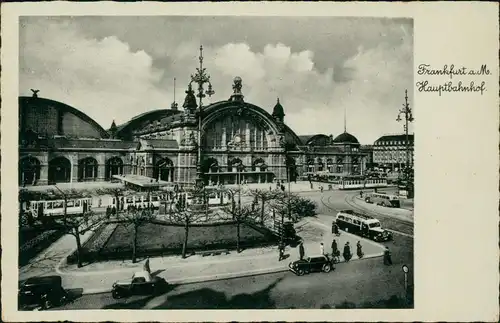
(382, 199)
(362, 225)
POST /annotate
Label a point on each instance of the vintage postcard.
(336, 162)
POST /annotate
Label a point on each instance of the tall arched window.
(164, 170)
(223, 131)
(59, 170)
(87, 169)
(114, 166)
(29, 171)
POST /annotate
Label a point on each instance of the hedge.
(29, 249)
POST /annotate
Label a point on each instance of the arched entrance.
(29, 171)
(355, 166)
(210, 167)
(87, 169)
(59, 170)
(164, 170)
(340, 165)
(329, 165)
(114, 166)
(259, 172)
(236, 166)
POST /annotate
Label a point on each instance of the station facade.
(239, 142)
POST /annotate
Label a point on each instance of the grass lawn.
(168, 236)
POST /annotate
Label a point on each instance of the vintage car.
(141, 283)
(41, 293)
(312, 264)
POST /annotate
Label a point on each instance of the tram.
(353, 184)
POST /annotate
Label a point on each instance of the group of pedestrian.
(347, 254)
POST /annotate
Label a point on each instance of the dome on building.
(345, 138)
(278, 110)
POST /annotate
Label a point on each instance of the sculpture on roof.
(237, 86)
(190, 101)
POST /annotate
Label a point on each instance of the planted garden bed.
(163, 238)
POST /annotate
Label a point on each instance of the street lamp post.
(405, 271)
(408, 117)
(201, 78)
(239, 168)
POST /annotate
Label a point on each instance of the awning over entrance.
(141, 182)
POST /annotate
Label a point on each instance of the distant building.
(368, 150)
(389, 151)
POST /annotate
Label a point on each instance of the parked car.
(41, 292)
(141, 283)
(312, 264)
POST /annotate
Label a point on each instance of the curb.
(198, 279)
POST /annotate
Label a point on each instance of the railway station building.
(59, 143)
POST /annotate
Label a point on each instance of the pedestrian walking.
(146, 266)
(361, 193)
(335, 249)
(387, 256)
(321, 188)
(322, 248)
(301, 251)
(347, 252)
(359, 250)
(335, 228)
(281, 249)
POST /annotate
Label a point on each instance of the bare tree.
(239, 215)
(136, 218)
(182, 214)
(264, 197)
(79, 225)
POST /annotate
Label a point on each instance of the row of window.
(392, 143)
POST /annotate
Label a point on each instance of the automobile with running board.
(321, 263)
(141, 283)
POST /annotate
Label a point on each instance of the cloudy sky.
(118, 67)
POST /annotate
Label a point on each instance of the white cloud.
(108, 80)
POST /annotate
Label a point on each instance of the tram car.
(354, 184)
(56, 207)
(214, 195)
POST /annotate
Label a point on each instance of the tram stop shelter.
(142, 183)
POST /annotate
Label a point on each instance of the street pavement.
(220, 269)
(362, 284)
(99, 277)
